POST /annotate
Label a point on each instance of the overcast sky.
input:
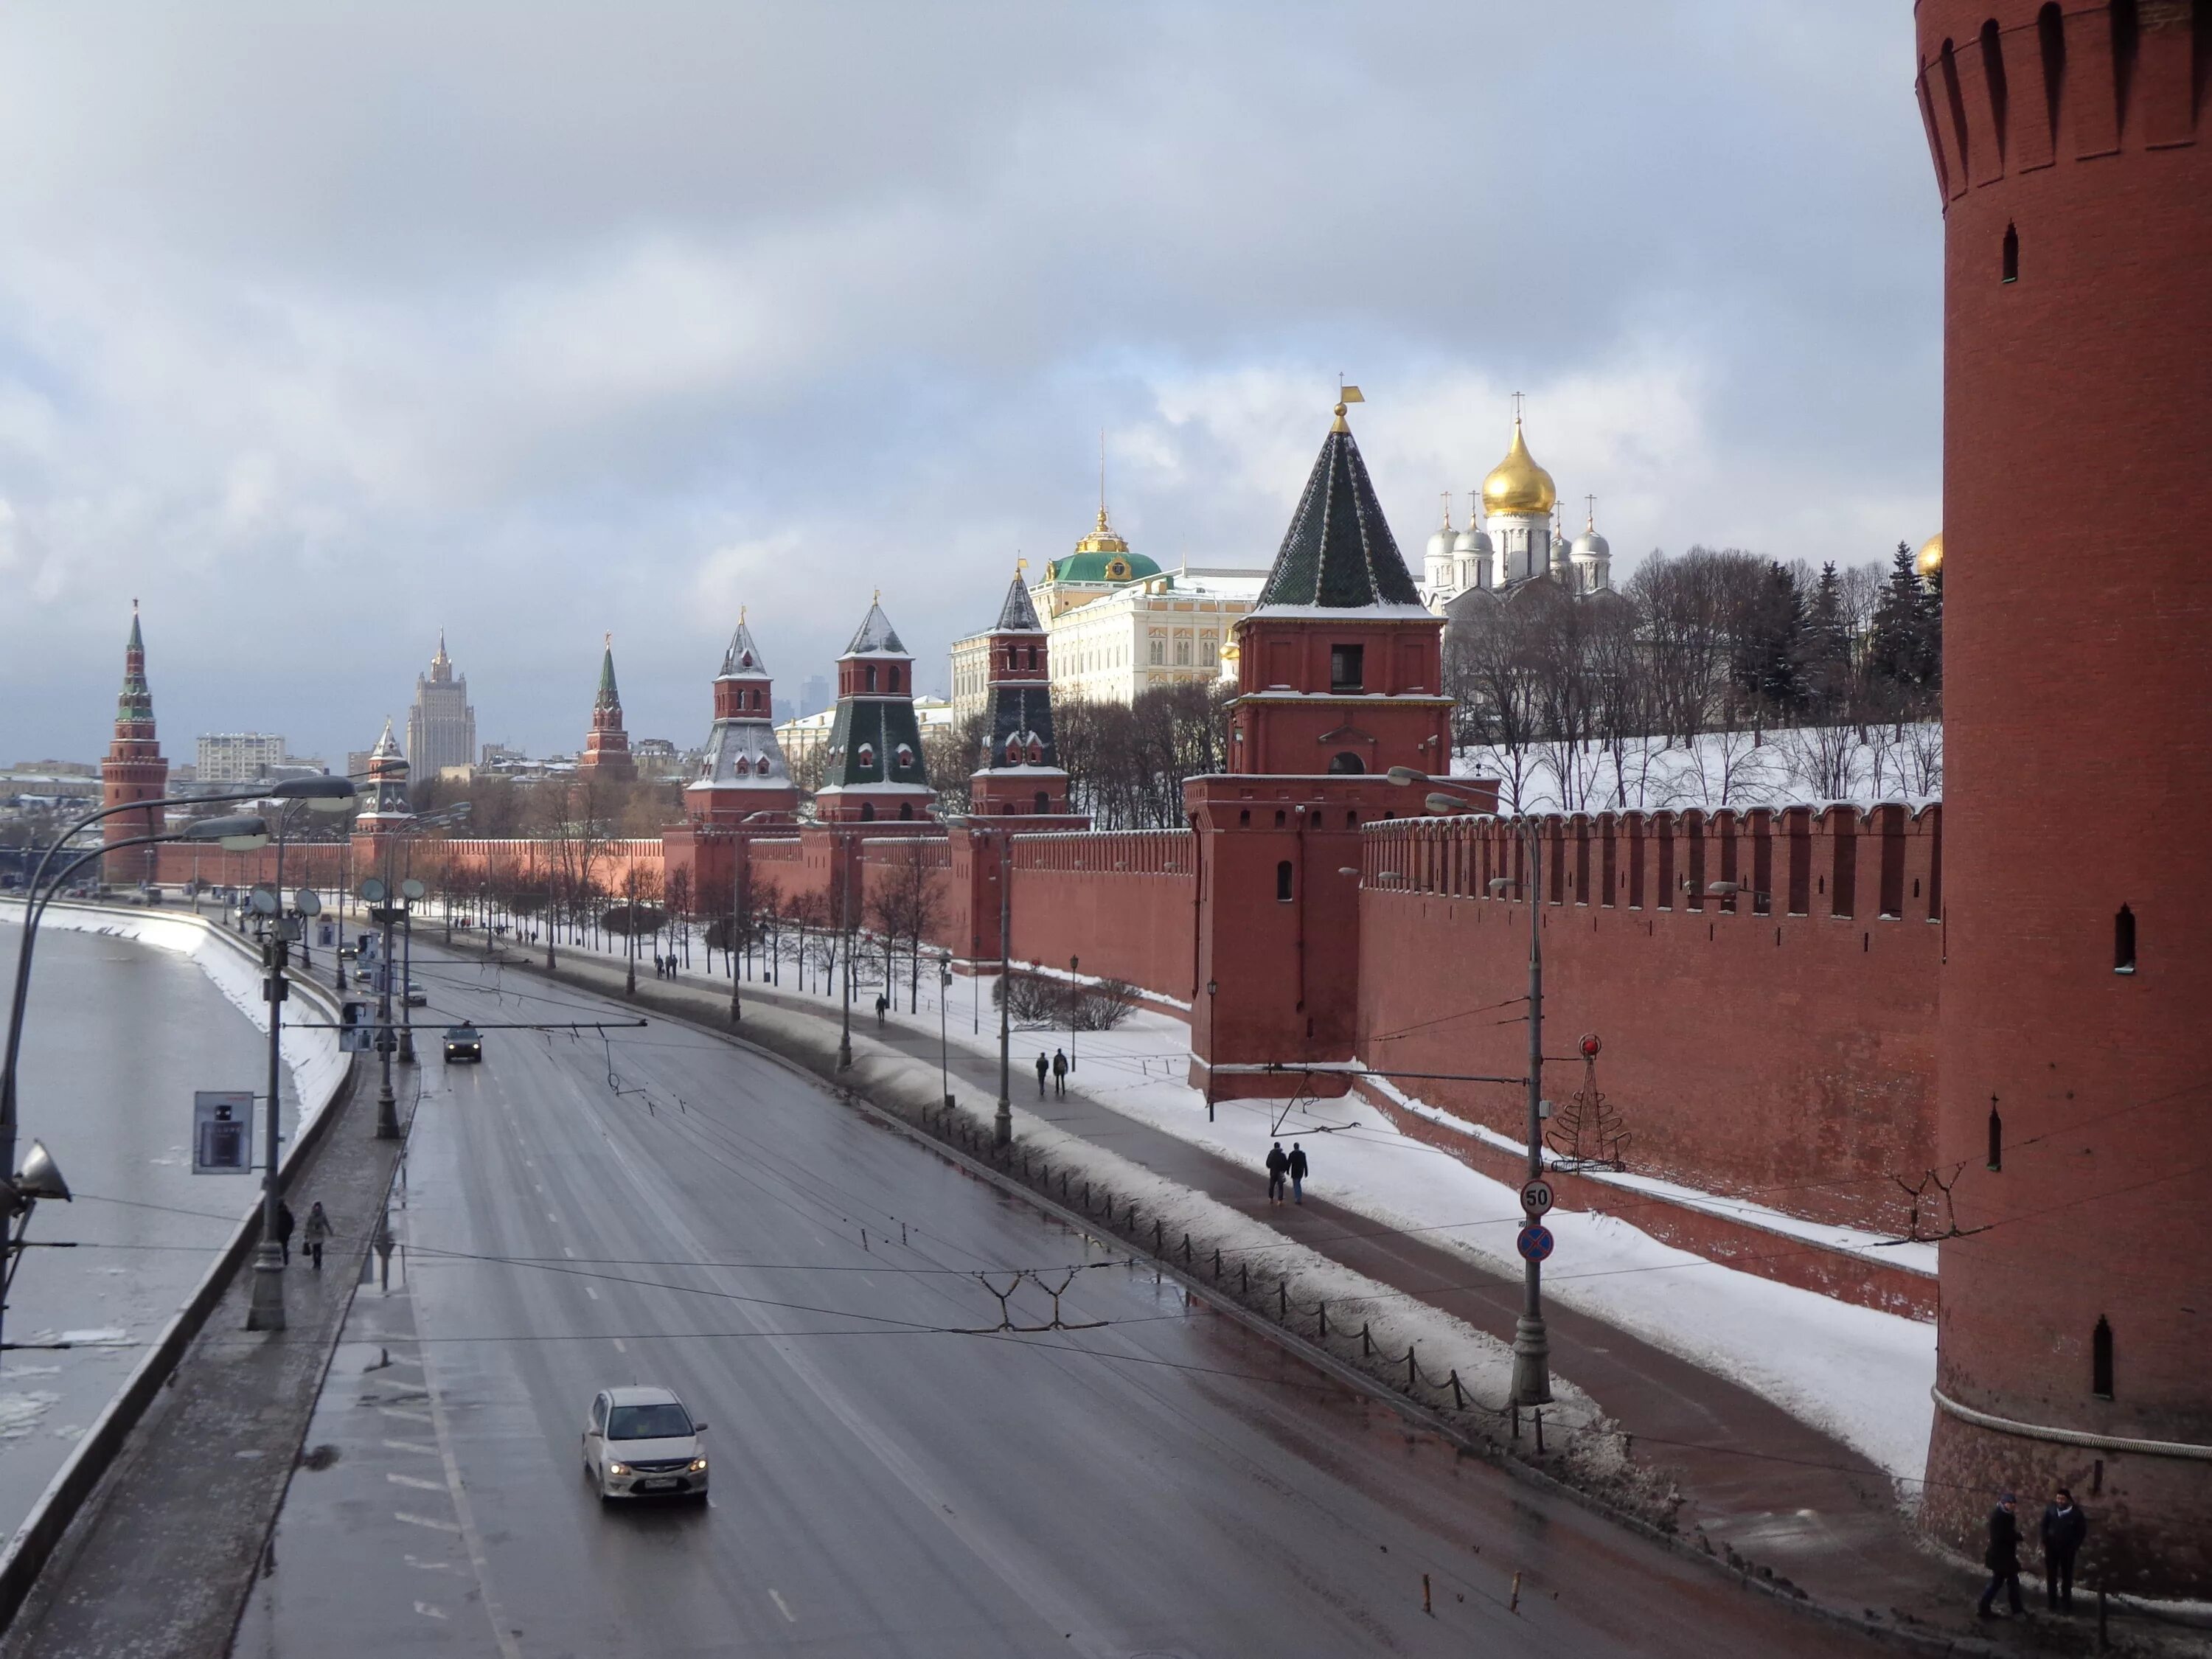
(325, 326)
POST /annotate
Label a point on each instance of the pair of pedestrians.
(1291, 1166)
(1057, 1068)
(317, 1234)
(2064, 1528)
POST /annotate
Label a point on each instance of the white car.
(640, 1443)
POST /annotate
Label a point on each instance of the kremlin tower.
(1340, 664)
(876, 769)
(2073, 159)
(743, 772)
(606, 758)
(1021, 773)
(134, 769)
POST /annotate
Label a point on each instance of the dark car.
(464, 1043)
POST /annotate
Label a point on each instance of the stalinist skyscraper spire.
(441, 727)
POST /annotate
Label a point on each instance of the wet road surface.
(892, 1475)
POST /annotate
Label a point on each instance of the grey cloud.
(321, 327)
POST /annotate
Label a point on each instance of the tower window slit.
(2011, 266)
(2100, 1359)
(2123, 941)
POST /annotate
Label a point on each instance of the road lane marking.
(781, 1609)
(592, 1293)
(566, 1251)
(402, 1411)
(414, 1481)
(501, 1633)
(618, 1346)
(402, 1359)
(410, 1446)
(425, 1520)
(428, 1610)
(427, 1566)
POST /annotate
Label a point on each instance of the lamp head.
(1402, 775)
(40, 1178)
(1444, 805)
(322, 793)
(241, 834)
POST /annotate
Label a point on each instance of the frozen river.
(118, 1036)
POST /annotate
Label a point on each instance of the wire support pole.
(1531, 1347)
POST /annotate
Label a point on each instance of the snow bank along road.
(892, 1475)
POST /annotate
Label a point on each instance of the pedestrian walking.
(1043, 1066)
(882, 1007)
(317, 1234)
(2064, 1527)
(1298, 1169)
(1278, 1164)
(2003, 1557)
(284, 1225)
(1060, 1071)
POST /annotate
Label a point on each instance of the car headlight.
(617, 1468)
(698, 1466)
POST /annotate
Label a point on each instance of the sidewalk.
(1770, 1492)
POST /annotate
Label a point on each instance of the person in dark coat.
(1278, 1164)
(317, 1234)
(882, 1005)
(1060, 1071)
(2002, 1556)
(284, 1225)
(2064, 1527)
(1043, 1066)
(1296, 1166)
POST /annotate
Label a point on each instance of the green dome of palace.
(1101, 568)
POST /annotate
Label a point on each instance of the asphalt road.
(892, 1475)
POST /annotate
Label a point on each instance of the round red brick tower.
(2075, 1329)
(134, 769)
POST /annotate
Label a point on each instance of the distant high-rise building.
(813, 695)
(441, 727)
(237, 756)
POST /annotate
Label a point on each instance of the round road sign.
(1536, 1197)
(1534, 1242)
(374, 890)
(413, 888)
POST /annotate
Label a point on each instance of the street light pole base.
(388, 1116)
(266, 1312)
(406, 1045)
(1532, 1361)
(1002, 1125)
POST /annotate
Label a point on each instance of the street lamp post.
(1531, 1347)
(1002, 1122)
(1074, 1006)
(1212, 1040)
(845, 949)
(944, 1042)
(381, 911)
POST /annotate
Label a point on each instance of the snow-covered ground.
(1786, 767)
(1860, 1375)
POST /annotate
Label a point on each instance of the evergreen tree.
(1768, 661)
(1904, 655)
(1827, 649)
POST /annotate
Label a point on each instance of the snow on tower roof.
(743, 659)
(877, 637)
(1019, 614)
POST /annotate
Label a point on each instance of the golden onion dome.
(1517, 484)
(1929, 561)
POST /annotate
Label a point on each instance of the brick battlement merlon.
(1884, 861)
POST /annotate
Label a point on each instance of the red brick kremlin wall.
(1775, 1042)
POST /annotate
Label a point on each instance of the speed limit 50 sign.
(1536, 1197)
